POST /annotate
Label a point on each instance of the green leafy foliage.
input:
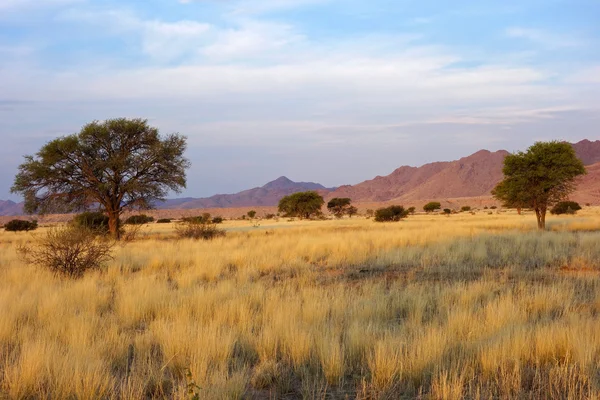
(96, 222)
(432, 206)
(538, 178)
(117, 164)
(251, 214)
(164, 221)
(465, 208)
(447, 211)
(339, 206)
(301, 204)
(139, 219)
(217, 220)
(565, 207)
(19, 225)
(390, 214)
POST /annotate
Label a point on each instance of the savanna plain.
(434, 307)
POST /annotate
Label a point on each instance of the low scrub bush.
(139, 219)
(194, 230)
(447, 211)
(96, 222)
(432, 206)
(465, 208)
(19, 225)
(164, 221)
(217, 220)
(565, 207)
(69, 251)
(390, 214)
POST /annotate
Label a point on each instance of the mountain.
(267, 195)
(472, 176)
(8, 207)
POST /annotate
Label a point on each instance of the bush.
(493, 207)
(69, 251)
(251, 214)
(412, 210)
(194, 230)
(465, 208)
(565, 207)
(164, 221)
(270, 216)
(432, 206)
(447, 211)
(390, 214)
(217, 220)
(139, 219)
(96, 222)
(19, 225)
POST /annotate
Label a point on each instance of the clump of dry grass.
(460, 307)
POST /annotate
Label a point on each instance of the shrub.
(19, 225)
(269, 216)
(139, 219)
(217, 220)
(164, 221)
(447, 211)
(432, 206)
(412, 210)
(96, 222)
(391, 213)
(370, 212)
(565, 207)
(465, 208)
(194, 230)
(493, 207)
(251, 214)
(69, 251)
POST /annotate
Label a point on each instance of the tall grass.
(434, 307)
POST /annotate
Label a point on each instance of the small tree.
(251, 214)
(411, 210)
(370, 212)
(565, 207)
(432, 206)
(19, 225)
(447, 211)
(117, 164)
(465, 208)
(301, 204)
(540, 177)
(352, 211)
(390, 214)
(217, 220)
(339, 206)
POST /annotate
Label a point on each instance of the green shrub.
(412, 210)
(139, 219)
(194, 230)
(465, 208)
(269, 216)
(93, 221)
(390, 214)
(164, 221)
(19, 225)
(217, 220)
(447, 211)
(432, 206)
(565, 207)
(251, 214)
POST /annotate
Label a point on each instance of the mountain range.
(472, 176)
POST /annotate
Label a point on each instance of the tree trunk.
(540, 214)
(113, 224)
(519, 210)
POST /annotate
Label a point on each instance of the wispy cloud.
(544, 38)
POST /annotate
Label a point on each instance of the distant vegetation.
(139, 219)
(341, 206)
(391, 214)
(19, 225)
(432, 206)
(565, 207)
(301, 204)
(94, 221)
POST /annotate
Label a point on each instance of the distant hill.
(267, 195)
(8, 207)
(472, 176)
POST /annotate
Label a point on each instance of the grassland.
(467, 306)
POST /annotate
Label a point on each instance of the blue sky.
(334, 91)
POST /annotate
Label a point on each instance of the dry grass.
(467, 306)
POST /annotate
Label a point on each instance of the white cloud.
(546, 39)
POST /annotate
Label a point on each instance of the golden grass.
(466, 306)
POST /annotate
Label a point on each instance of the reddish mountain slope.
(588, 152)
(8, 207)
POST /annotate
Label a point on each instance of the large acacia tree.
(302, 204)
(540, 177)
(115, 165)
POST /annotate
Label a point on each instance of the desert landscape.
(472, 305)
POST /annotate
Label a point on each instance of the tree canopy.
(390, 214)
(115, 165)
(432, 206)
(540, 177)
(301, 204)
(339, 206)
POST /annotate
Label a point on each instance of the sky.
(329, 91)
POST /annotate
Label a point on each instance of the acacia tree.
(301, 204)
(540, 177)
(115, 165)
(339, 206)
